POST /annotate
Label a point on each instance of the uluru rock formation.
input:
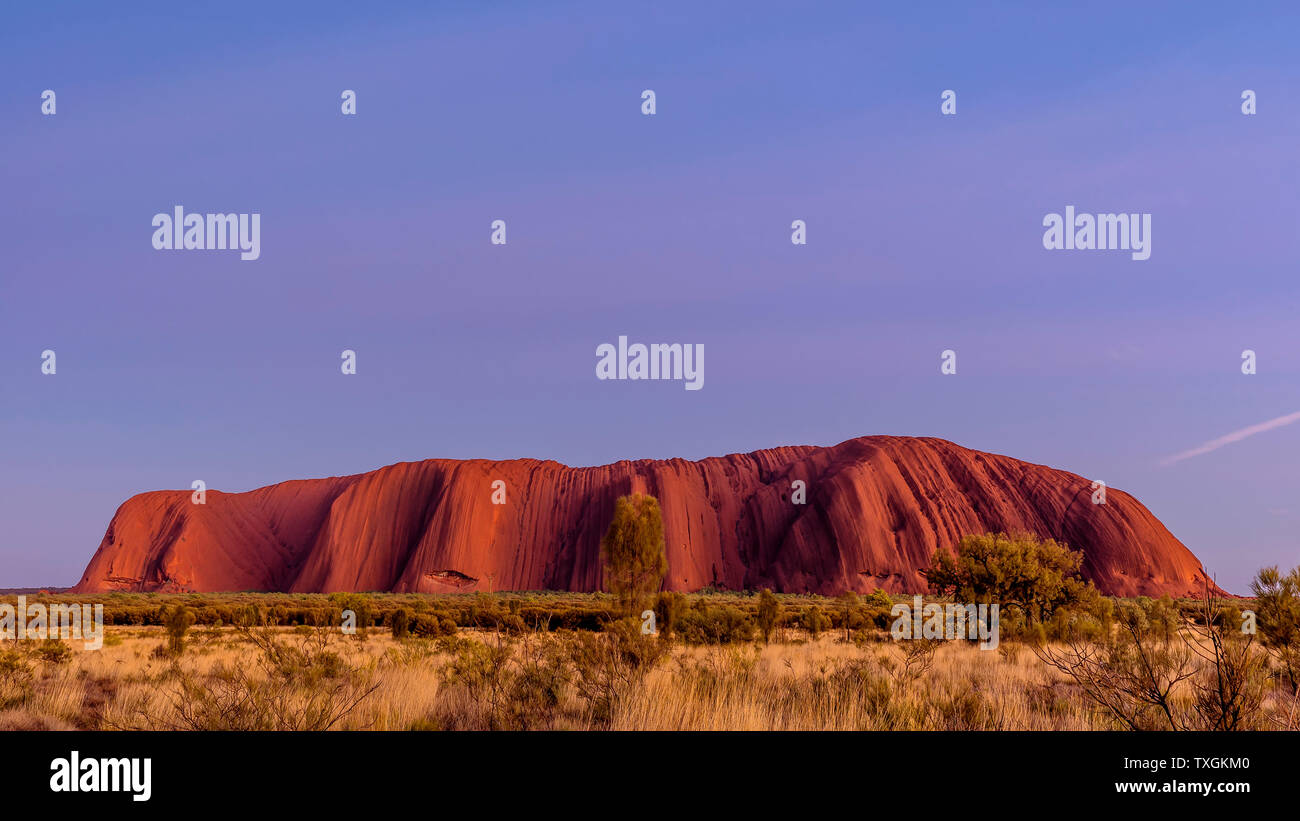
(876, 509)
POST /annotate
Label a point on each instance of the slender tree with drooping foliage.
(633, 552)
(769, 612)
(1277, 600)
(179, 619)
(848, 605)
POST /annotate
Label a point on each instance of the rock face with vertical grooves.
(876, 509)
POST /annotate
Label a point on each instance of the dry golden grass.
(792, 684)
(831, 685)
(795, 683)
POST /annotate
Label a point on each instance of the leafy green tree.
(1016, 570)
(769, 613)
(633, 550)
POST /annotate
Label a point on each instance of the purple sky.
(924, 234)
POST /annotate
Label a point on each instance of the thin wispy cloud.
(1235, 436)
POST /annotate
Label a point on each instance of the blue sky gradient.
(924, 233)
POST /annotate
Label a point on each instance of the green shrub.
(608, 665)
(400, 623)
(715, 624)
(815, 621)
(668, 612)
(879, 599)
(53, 651)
